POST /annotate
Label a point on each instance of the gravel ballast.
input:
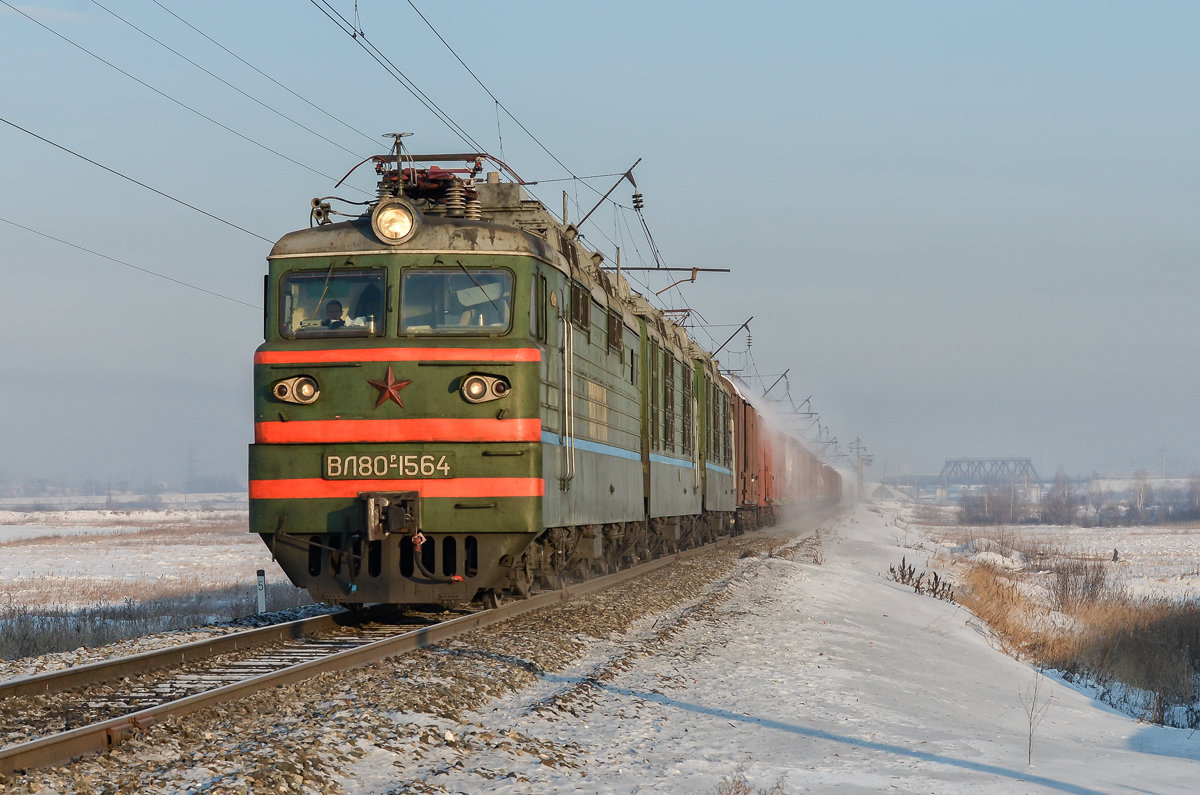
(398, 725)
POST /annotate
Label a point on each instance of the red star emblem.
(389, 389)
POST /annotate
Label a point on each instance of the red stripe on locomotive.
(415, 430)
(400, 355)
(318, 488)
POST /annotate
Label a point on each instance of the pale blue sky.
(969, 229)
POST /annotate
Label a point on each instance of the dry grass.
(131, 533)
(27, 631)
(1063, 612)
(53, 609)
(737, 784)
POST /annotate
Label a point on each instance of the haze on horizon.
(963, 230)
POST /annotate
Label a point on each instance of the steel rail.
(106, 670)
(62, 747)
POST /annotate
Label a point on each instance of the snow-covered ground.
(81, 558)
(1151, 561)
(827, 678)
(129, 501)
(823, 677)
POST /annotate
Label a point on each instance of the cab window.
(463, 301)
(332, 303)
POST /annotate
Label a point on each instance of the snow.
(79, 558)
(1152, 561)
(827, 678)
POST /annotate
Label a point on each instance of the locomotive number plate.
(394, 465)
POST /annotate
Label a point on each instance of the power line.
(223, 81)
(499, 104)
(249, 65)
(361, 39)
(131, 179)
(394, 71)
(570, 179)
(130, 265)
(518, 122)
(165, 95)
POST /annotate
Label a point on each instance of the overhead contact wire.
(128, 178)
(130, 265)
(165, 95)
(488, 91)
(225, 82)
(249, 65)
(377, 55)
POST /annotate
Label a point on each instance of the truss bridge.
(987, 472)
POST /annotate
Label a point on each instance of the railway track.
(51, 718)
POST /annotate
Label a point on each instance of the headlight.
(302, 389)
(394, 221)
(479, 388)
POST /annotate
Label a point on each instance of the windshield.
(456, 301)
(329, 302)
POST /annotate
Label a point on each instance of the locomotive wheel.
(493, 598)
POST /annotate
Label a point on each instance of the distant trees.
(1060, 503)
(1099, 500)
(1139, 500)
(991, 505)
(1140, 495)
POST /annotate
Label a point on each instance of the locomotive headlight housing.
(302, 389)
(394, 220)
(480, 388)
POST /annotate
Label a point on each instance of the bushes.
(927, 582)
(1077, 583)
(1152, 645)
(27, 631)
(1067, 614)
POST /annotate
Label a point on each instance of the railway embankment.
(786, 662)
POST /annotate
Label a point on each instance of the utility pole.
(858, 454)
(862, 459)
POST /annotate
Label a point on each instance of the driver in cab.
(333, 315)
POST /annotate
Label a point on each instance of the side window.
(581, 302)
(633, 365)
(708, 393)
(535, 299)
(615, 329)
(686, 374)
(716, 429)
(543, 295)
(668, 400)
(726, 432)
(655, 359)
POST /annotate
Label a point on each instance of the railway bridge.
(991, 472)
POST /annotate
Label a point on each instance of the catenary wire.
(499, 104)
(375, 54)
(360, 37)
(223, 81)
(249, 65)
(128, 178)
(165, 95)
(129, 264)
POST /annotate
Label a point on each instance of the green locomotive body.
(455, 399)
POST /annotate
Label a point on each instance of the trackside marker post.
(262, 591)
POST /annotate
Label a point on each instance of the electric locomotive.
(454, 399)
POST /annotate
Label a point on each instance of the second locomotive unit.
(454, 399)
